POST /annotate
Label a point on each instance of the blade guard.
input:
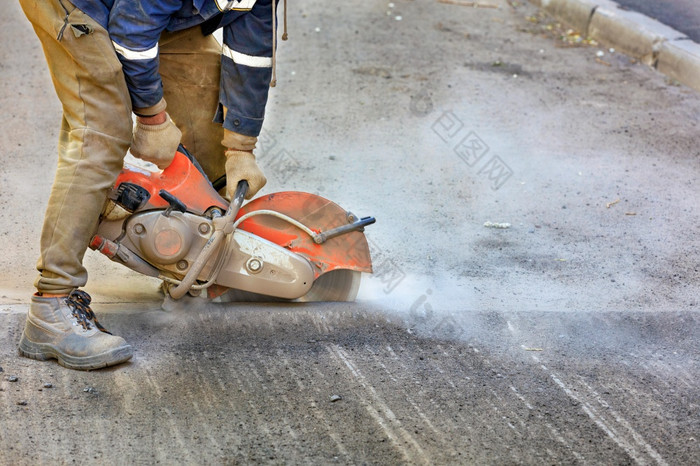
(348, 251)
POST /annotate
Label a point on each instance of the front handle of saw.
(222, 226)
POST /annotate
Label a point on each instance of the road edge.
(661, 47)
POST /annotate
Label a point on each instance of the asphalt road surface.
(567, 336)
(682, 15)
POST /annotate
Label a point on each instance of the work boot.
(66, 329)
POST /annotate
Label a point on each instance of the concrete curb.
(634, 34)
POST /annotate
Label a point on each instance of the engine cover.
(244, 261)
(165, 240)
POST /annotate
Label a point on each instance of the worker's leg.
(190, 66)
(95, 135)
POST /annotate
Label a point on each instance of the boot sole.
(46, 351)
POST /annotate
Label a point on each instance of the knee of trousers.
(103, 150)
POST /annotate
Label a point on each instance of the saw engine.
(173, 225)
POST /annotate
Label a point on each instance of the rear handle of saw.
(322, 237)
(222, 226)
(357, 225)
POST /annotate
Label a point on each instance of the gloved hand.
(156, 143)
(241, 165)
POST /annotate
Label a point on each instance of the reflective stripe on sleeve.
(136, 54)
(240, 5)
(247, 60)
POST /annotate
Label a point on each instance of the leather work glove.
(156, 143)
(241, 165)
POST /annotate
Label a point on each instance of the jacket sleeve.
(246, 70)
(135, 27)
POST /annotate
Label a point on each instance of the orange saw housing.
(185, 182)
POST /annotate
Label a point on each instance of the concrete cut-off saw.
(289, 246)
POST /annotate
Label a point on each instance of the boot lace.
(79, 303)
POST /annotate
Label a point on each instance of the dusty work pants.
(190, 67)
(96, 128)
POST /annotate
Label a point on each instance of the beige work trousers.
(96, 127)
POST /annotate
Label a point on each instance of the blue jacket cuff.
(238, 123)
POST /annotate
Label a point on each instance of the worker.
(159, 60)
